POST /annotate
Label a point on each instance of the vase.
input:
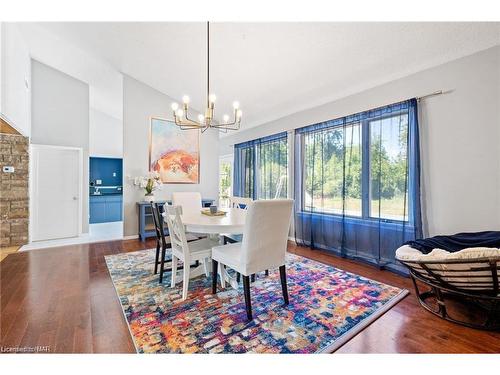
(149, 197)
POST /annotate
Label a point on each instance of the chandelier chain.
(206, 120)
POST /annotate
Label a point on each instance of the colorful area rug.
(327, 307)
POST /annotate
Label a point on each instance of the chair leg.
(214, 276)
(162, 263)
(222, 269)
(238, 277)
(157, 258)
(283, 283)
(253, 278)
(267, 273)
(185, 282)
(174, 271)
(206, 266)
(246, 290)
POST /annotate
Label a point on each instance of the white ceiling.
(274, 69)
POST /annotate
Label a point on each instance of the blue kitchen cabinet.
(105, 190)
(114, 208)
(105, 208)
(97, 210)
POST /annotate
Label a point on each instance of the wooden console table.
(146, 225)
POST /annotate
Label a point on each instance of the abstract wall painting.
(174, 153)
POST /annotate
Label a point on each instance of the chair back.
(189, 201)
(240, 202)
(156, 212)
(176, 229)
(265, 235)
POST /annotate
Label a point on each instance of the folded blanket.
(457, 242)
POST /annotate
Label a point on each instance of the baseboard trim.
(132, 237)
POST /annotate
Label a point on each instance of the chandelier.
(206, 121)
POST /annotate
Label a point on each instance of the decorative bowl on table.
(209, 213)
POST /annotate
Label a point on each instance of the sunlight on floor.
(97, 233)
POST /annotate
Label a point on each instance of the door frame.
(32, 169)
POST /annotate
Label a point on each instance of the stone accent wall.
(14, 194)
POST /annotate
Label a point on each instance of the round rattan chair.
(457, 280)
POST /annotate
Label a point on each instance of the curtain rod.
(439, 92)
(418, 98)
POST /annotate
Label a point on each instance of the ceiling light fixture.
(206, 121)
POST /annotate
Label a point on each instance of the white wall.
(16, 78)
(140, 102)
(105, 135)
(55, 50)
(60, 116)
(460, 138)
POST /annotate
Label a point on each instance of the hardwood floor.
(63, 299)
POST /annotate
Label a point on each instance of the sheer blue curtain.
(244, 166)
(357, 190)
(260, 167)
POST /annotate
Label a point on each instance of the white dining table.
(233, 222)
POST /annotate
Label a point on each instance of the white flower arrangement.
(149, 183)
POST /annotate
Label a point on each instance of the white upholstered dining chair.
(190, 201)
(263, 247)
(238, 203)
(187, 252)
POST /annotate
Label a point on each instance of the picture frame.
(174, 153)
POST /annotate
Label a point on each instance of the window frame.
(368, 170)
(365, 172)
(302, 175)
(253, 176)
(257, 176)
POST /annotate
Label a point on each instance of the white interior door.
(56, 192)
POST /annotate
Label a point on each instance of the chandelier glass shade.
(206, 120)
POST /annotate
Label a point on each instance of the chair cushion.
(229, 255)
(408, 253)
(465, 276)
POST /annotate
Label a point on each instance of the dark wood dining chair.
(162, 242)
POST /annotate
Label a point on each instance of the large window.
(271, 167)
(357, 183)
(261, 168)
(224, 181)
(329, 155)
(357, 167)
(388, 165)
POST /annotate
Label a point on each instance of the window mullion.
(365, 169)
(256, 166)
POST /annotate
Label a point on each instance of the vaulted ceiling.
(274, 69)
